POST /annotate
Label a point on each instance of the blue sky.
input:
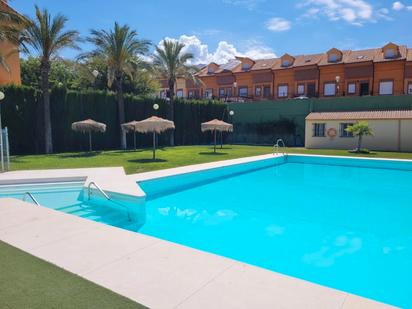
(216, 30)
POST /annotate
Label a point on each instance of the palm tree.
(170, 63)
(360, 129)
(11, 27)
(119, 49)
(47, 37)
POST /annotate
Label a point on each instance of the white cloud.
(224, 51)
(278, 24)
(397, 6)
(355, 12)
(249, 4)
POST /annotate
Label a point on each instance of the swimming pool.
(71, 198)
(343, 223)
(340, 222)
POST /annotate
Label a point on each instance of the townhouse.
(380, 71)
(10, 72)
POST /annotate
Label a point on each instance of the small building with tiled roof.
(392, 130)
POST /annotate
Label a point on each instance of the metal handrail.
(89, 190)
(279, 143)
(31, 197)
(89, 193)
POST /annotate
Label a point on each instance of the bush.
(22, 114)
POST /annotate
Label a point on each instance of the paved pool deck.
(151, 271)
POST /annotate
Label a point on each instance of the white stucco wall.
(390, 135)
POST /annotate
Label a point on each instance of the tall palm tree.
(47, 37)
(119, 48)
(170, 63)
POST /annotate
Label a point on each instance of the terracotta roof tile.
(409, 56)
(324, 59)
(264, 64)
(402, 55)
(305, 60)
(357, 56)
(362, 115)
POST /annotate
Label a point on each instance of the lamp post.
(337, 78)
(234, 89)
(95, 74)
(231, 113)
(2, 96)
(155, 138)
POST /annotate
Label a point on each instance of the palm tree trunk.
(120, 110)
(172, 110)
(359, 143)
(48, 142)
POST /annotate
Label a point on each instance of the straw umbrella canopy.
(89, 126)
(216, 125)
(131, 127)
(155, 125)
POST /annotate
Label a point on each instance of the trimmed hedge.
(22, 114)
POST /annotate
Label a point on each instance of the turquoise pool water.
(70, 198)
(343, 223)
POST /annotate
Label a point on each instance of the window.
(229, 92)
(386, 88)
(351, 88)
(243, 92)
(319, 129)
(333, 58)
(330, 89)
(301, 89)
(245, 66)
(222, 92)
(163, 94)
(343, 132)
(283, 91)
(190, 94)
(210, 70)
(285, 63)
(266, 91)
(209, 93)
(390, 53)
(258, 91)
(179, 93)
(410, 88)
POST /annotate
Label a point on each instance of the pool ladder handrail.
(89, 193)
(31, 197)
(279, 144)
(89, 190)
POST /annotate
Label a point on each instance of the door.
(311, 90)
(364, 89)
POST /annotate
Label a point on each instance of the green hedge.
(22, 114)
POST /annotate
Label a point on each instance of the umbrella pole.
(221, 139)
(214, 149)
(134, 136)
(90, 141)
(154, 145)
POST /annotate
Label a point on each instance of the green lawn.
(29, 282)
(140, 161)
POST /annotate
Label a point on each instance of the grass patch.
(29, 282)
(168, 157)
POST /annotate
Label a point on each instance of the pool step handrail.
(31, 197)
(279, 144)
(89, 193)
(89, 190)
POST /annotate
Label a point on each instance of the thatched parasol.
(216, 125)
(154, 125)
(89, 126)
(131, 127)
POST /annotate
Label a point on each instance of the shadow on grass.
(90, 154)
(147, 161)
(213, 153)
